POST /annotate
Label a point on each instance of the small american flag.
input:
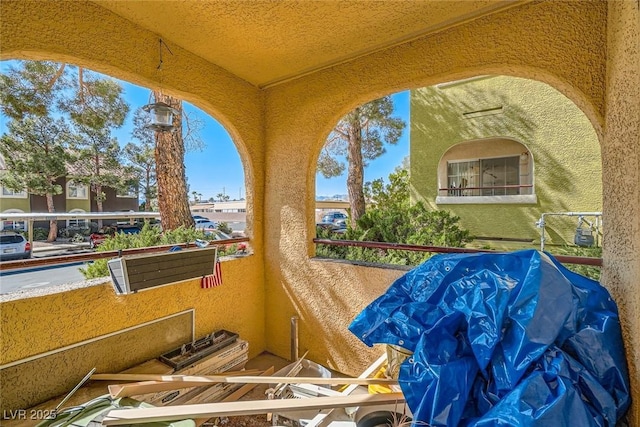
(214, 279)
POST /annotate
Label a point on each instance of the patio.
(278, 76)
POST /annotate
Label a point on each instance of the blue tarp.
(503, 339)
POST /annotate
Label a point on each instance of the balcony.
(51, 338)
(278, 110)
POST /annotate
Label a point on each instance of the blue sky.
(218, 169)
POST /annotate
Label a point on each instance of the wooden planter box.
(135, 273)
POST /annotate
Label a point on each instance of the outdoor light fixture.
(161, 114)
(524, 156)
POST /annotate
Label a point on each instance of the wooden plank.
(236, 394)
(214, 391)
(246, 407)
(168, 397)
(171, 265)
(212, 379)
(246, 388)
(161, 278)
(164, 256)
(210, 364)
(145, 387)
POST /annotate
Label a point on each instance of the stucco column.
(621, 179)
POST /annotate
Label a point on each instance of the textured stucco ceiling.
(266, 41)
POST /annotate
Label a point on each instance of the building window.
(9, 193)
(13, 225)
(485, 177)
(496, 170)
(77, 191)
(77, 223)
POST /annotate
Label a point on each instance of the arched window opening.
(13, 225)
(488, 171)
(77, 223)
(76, 190)
(114, 163)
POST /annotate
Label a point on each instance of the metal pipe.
(541, 222)
(294, 338)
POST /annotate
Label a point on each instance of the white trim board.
(249, 407)
(214, 379)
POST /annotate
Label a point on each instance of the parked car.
(195, 217)
(98, 237)
(205, 224)
(219, 235)
(332, 217)
(14, 246)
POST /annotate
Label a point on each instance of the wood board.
(144, 387)
(233, 396)
(247, 407)
(212, 379)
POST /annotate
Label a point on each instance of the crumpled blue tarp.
(503, 339)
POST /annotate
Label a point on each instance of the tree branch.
(56, 76)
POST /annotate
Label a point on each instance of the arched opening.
(493, 170)
(214, 169)
(367, 144)
(499, 151)
(77, 222)
(13, 225)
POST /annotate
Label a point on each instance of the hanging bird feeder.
(160, 113)
(161, 116)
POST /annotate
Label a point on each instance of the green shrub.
(69, 232)
(391, 217)
(149, 236)
(40, 233)
(589, 271)
(224, 227)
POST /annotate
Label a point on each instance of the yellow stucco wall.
(280, 131)
(303, 112)
(32, 326)
(83, 204)
(84, 34)
(7, 203)
(564, 147)
(621, 180)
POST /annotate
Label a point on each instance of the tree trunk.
(147, 192)
(173, 199)
(99, 205)
(53, 224)
(355, 176)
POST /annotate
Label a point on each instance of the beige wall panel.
(58, 373)
(621, 180)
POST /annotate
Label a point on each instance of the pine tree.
(361, 136)
(36, 148)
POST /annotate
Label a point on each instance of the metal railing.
(565, 259)
(497, 190)
(68, 259)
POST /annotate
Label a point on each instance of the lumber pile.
(190, 384)
(201, 405)
(233, 357)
